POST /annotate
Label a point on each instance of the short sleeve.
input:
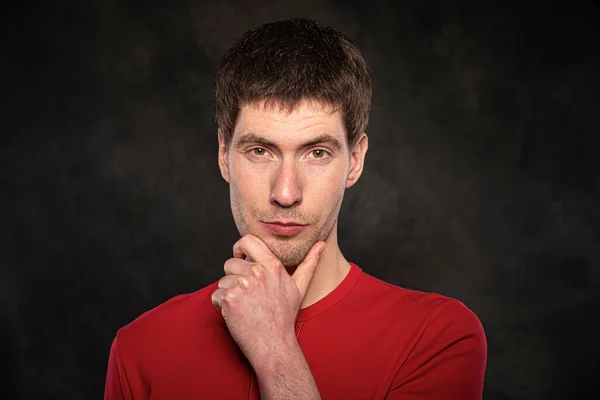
(448, 361)
(116, 387)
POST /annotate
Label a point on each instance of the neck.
(330, 272)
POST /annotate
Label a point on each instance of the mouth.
(284, 228)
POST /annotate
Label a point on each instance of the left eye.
(258, 151)
(319, 153)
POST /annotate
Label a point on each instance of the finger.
(253, 247)
(218, 296)
(306, 269)
(235, 266)
(230, 281)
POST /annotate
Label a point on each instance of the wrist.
(285, 353)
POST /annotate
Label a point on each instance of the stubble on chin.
(291, 251)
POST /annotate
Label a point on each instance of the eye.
(319, 153)
(258, 151)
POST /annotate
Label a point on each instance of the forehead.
(277, 122)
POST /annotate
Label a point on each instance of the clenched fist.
(259, 300)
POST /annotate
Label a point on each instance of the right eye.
(258, 153)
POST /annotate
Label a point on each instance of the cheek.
(247, 185)
(325, 189)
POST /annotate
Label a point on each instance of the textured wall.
(481, 180)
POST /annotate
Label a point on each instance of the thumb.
(306, 269)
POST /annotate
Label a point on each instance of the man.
(291, 318)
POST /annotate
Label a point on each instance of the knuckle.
(228, 298)
(230, 295)
(243, 282)
(216, 297)
(249, 240)
(252, 238)
(258, 271)
(272, 263)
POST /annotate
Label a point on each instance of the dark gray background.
(481, 180)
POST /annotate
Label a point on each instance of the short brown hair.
(289, 61)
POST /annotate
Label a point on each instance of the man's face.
(286, 168)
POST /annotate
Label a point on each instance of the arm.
(287, 376)
(448, 362)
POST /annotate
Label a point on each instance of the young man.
(291, 318)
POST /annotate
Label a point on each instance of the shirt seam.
(122, 366)
(434, 312)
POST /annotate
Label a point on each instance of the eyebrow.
(257, 139)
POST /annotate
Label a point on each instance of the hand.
(259, 300)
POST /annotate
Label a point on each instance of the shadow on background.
(481, 181)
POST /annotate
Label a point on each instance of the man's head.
(292, 103)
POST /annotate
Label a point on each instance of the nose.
(286, 190)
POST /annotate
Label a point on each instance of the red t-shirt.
(367, 339)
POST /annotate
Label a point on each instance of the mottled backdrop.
(481, 182)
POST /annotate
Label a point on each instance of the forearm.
(287, 376)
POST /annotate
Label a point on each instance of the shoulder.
(178, 314)
(430, 310)
(375, 290)
(177, 331)
(441, 344)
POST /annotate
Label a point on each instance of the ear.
(223, 159)
(357, 160)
